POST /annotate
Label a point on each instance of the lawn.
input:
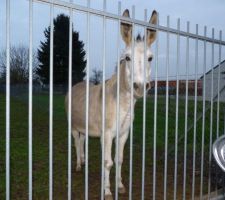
(19, 150)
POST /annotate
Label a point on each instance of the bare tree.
(96, 78)
(19, 65)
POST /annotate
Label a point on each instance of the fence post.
(30, 97)
(8, 100)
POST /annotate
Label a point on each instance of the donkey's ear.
(126, 29)
(151, 34)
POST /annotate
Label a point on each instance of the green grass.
(19, 148)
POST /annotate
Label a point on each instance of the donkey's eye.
(127, 58)
(150, 59)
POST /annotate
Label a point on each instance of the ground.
(19, 151)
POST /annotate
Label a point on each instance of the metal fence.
(188, 162)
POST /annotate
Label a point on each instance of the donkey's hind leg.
(82, 140)
(76, 136)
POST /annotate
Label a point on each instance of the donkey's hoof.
(108, 197)
(78, 168)
(82, 161)
(122, 190)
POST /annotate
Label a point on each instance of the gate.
(177, 122)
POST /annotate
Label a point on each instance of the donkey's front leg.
(122, 141)
(108, 164)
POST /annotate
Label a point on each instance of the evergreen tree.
(61, 54)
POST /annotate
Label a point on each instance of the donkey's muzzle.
(138, 86)
(139, 89)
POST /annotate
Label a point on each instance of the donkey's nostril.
(135, 86)
(147, 85)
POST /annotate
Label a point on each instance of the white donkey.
(95, 103)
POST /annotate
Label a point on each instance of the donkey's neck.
(124, 85)
(124, 88)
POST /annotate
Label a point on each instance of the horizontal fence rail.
(135, 21)
(177, 131)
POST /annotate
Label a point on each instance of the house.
(208, 82)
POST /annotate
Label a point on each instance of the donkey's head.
(140, 54)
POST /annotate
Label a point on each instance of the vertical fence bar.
(87, 102)
(118, 105)
(30, 96)
(132, 109)
(195, 114)
(51, 105)
(177, 110)
(167, 109)
(7, 99)
(211, 117)
(103, 100)
(218, 101)
(70, 101)
(203, 123)
(186, 113)
(144, 113)
(155, 113)
(218, 92)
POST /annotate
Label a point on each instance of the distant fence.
(37, 89)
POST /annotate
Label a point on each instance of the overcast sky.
(202, 12)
